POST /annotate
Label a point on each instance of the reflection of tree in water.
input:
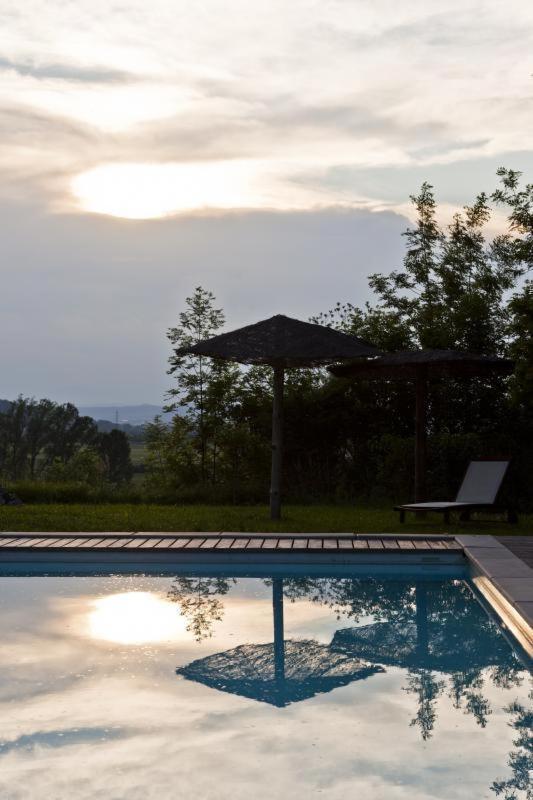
(455, 631)
(520, 760)
(199, 602)
(427, 688)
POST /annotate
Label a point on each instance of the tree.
(68, 433)
(517, 248)
(34, 435)
(172, 462)
(205, 387)
(115, 451)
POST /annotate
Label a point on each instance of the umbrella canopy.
(420, 366)
(281, 342)
(249, 670)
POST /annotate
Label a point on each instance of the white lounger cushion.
(482, 482)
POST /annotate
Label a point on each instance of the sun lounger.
(478, 492)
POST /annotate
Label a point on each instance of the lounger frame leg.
(402, 516)
(512, 516)
(446, 517)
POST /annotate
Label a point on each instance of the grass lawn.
(304, 519)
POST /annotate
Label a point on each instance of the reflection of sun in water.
(147, 191)
(136, 618)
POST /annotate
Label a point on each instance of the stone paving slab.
(526, 610)
(520, 589)
(496, 564)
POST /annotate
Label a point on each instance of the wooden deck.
(521, 546)
(53, 542)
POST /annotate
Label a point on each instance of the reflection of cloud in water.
(60, 738)
(175, 738)
(135, 618)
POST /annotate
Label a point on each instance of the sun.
(136, 618)
(149, 191)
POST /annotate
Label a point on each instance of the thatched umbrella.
(420, 366)
(280, 672)
(282, 342)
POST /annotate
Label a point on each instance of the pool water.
(215, 687)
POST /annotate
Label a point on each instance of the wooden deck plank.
(32, 541)
(405, 544)
(315, 544)
(240, 543)
(225, 542)
(360, 544)
(284, 544)
(165, 543)
(421, 544)
(255, 543)
(270, 544)
(133, 543)
(78, 543)
(330, 543)
(390, 544)
(375, 544)
(208, 544)
(180, 543)
(150, 543)
(23, 542)
(299, 544)
(195, 543)
(46, 542)
(94, 542)
(4, 540)
(346, 544)
(436, 544)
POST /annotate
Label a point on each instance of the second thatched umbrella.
(420, 366)
(282, 342)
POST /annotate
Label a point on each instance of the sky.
(263, 150)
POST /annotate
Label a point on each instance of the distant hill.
(4, 406)
(127, 415)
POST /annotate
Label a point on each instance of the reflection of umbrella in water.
(451, 647)
(281, 672)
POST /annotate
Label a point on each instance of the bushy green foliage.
(48, 442)
(61, 492)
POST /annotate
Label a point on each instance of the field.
(304, 519)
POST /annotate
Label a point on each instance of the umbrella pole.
(420, 435)
(277, 442)
(279, 643)
(422, 639)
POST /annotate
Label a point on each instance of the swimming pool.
(289, 685)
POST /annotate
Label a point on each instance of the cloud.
(337, 104)
(67, 72)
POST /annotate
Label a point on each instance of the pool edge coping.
(505, 581)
